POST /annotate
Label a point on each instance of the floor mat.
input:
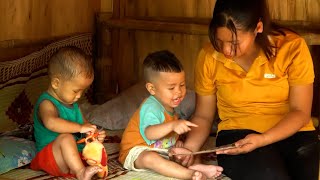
(116, 171)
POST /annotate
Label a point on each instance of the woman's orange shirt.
(257, 99)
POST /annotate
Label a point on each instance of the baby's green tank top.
(44, 136)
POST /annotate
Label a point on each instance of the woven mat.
(116, 171)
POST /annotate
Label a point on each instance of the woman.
(259, 77)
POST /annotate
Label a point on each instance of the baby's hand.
(87, 127)
(182, 126)
(101, 135)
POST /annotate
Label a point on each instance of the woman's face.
(235, 47)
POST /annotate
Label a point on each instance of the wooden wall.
(137, 28)
(297, 10)
(27, 25)
(106, 6)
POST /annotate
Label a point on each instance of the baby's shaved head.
(160, 61)
(69, 62)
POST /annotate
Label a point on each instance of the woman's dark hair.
(244, 15)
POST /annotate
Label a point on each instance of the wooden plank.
(186, 48)
(311, 38)
(305, 10)
(132, 24)
(169, 8)
(123, 65)
(20, 43)
(17, 48)
(187, 28)
(7, 54)
(106, 6)
(35, 19)
(300, 25)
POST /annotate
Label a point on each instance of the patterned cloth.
(24, 79)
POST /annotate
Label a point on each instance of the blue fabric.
(15, 152)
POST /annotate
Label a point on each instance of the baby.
(156, 125)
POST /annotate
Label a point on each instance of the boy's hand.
(101, 135)
(182, 126)
(87, 127)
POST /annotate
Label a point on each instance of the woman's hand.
(245, 145)
(184, 160)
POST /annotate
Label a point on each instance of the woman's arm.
(203, 117)
(300, 102)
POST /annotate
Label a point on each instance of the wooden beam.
(145, 25)
(19, 43)
(24, 43)
(302, 25)
(17, 48)
(311, 35)
(7, 54)
(311, 38)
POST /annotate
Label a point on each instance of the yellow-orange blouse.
(257, 99)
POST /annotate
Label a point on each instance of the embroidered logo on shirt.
(269, 76)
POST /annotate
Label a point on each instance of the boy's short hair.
(69, 62)
(160, 61)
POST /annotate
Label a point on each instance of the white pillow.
(116, 113)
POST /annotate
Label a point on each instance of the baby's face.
(170, 89)
(70, 91)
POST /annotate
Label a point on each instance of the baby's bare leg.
(67, 157)
(153, 161)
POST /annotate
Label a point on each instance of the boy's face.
(69, 91)
(169, 88)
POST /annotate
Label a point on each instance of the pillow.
(116, 113)
(23, 80)
(187, 106)
(23, 131)
(15, 152)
